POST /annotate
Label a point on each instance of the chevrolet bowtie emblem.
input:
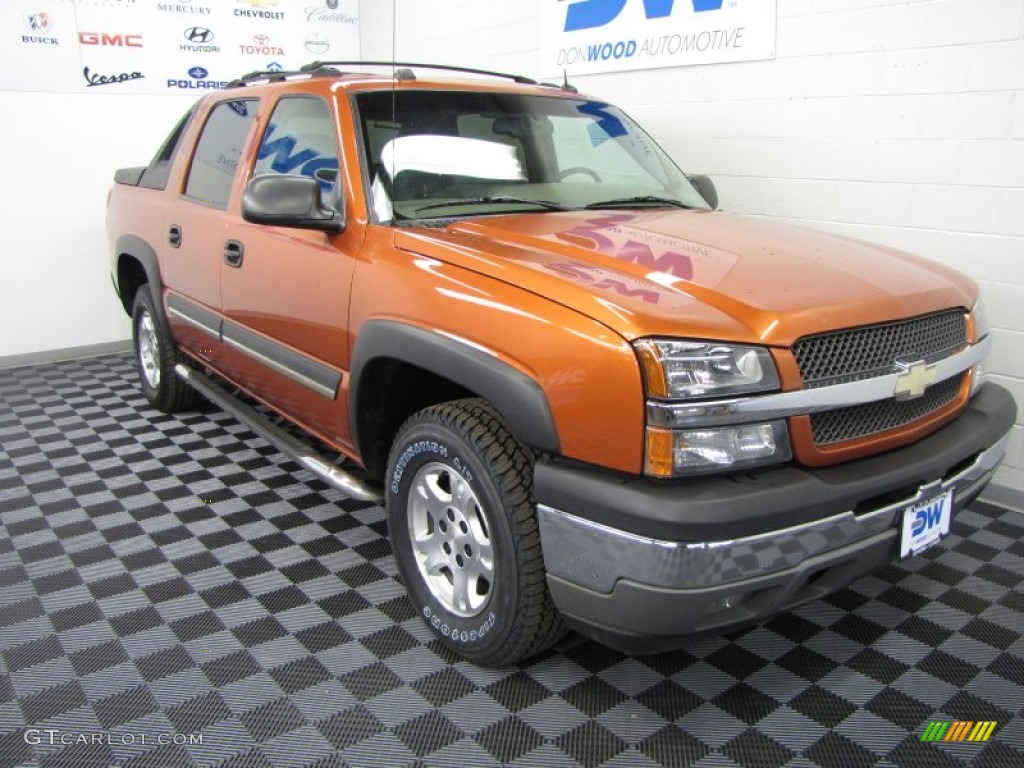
(913, 380)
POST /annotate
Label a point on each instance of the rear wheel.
(156, 354)
(465, 534)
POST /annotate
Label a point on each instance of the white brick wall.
(898, 121)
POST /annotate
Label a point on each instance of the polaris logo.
(198, 81)
(587, 14)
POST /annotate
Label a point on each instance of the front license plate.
(925, 523)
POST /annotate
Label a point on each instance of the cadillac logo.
(914, 378)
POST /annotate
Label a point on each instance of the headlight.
(689, 451)
(686, 369)
(980, 315)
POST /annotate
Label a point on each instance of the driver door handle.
(233, 252)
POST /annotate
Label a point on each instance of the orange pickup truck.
(588, 399)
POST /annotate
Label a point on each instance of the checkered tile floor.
(176, 579)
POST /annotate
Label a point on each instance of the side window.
(159, 169)
(300, 141)
(218, 151)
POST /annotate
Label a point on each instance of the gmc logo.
(586, 14)
(98, 38)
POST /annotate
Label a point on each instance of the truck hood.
(696, 273)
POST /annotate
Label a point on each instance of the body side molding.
(517, 397)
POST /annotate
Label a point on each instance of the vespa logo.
(198, 35)
(587, 14)
(913, 380)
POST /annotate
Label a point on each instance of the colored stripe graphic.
(959, 730)
(982, 730)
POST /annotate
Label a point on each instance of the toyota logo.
(198, 35)
(261, 39)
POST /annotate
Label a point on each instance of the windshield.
(434, 154)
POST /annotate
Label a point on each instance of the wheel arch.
(136, 265)
(398, 369)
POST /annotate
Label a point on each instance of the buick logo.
(38, 22)
(198, 35)
(197, 73)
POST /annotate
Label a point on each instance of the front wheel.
(465, 534)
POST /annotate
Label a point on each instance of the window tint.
(218, 152)
(300, 141)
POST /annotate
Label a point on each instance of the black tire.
(156, 354)
(463, 448)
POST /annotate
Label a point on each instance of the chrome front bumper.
(596, 556)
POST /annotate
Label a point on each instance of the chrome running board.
(291, 446)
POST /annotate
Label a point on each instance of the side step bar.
(335, 477)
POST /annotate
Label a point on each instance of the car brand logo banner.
(591, 36)
(159, 46)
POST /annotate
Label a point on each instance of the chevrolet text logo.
(913, 380)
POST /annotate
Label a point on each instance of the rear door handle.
(174, 236)
(233, 252)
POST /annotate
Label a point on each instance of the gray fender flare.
(141, 251)
(517, 397)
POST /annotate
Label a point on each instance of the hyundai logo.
(198, 35)
(198, 73)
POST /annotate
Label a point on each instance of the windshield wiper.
(549, 205)
(636, 202)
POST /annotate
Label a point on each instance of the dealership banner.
(153, 46)
(583, 37)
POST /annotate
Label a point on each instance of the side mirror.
(706, 187)
(289, 201)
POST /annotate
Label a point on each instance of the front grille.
(862, 353)
(870, 418)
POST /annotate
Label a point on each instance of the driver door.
(285, 292)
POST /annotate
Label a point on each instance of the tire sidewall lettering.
(417, 448)
(463, 636)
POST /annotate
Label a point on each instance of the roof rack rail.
(277, 76)
(315, 66)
